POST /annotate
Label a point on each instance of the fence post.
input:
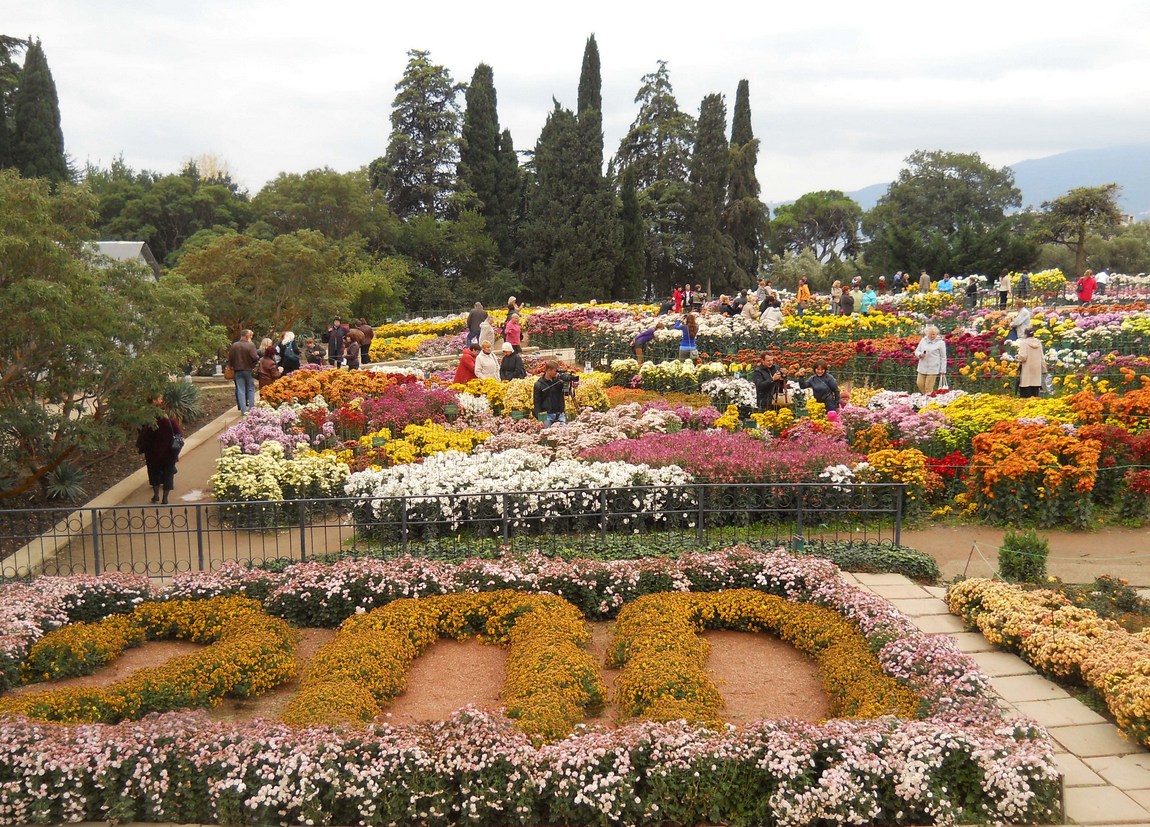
(503, 513)
(603, 513)
(200, 536)
(800, 541)
(96, 540)
(403, 524)
(302, 531)
(700, 534)
(899, 494)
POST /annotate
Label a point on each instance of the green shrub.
(1022, 558)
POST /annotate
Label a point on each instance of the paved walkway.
(1106, 778)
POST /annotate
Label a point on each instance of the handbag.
(943, 383)
(229, 372)
(177, 444)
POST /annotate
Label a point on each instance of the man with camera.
(770, 382)
(551, 390)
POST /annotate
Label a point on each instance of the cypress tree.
(632, 262)
(745, 216)
(37, 140)
(590, 80)
(480, 141)
(508, 198)
(9, 77)
(713, 251)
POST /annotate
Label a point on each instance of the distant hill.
(1044, 179)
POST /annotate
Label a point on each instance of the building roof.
(128, 251)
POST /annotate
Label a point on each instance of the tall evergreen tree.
(480, 139)
(657, 150)
(713, 250)
(632, 262)
(745, 217)
(590, 80)
(484, 165)
(419, 169)
(9, 76)
(37, 140)
(508, 198)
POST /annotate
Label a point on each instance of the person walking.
(334, 339)
(513, 333)
(465, 370)
(267, 371)
(931, 353)
(836, 298)
(822, 386)
(474, 319)
(1003, 288)
(353, 349)
(1023, 291)
(972, 291)
(243, 359)
(158, 442)
(769, 380)
(1031, 365)
(486, 365)
(803, 296)
(511, 366)
(924, 282)
(1085, 287)
(289, 352)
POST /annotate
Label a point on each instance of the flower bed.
(664, 677)
(250, 653)
(1061, 639)
(550, 684)
(961, 761)
(451, 491)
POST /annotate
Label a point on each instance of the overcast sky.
(841, 92)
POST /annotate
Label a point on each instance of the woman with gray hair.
(931, 353)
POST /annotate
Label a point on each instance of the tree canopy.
(37, 148)
(946, 212)
(825, 222)
(86, 345)
(1071, 218)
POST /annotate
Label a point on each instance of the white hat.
(508, 347)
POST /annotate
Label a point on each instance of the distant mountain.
(1044, 179)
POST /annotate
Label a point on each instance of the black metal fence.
(161, 540)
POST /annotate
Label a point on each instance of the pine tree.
(419, 171)
(713, 251)
(745, 217)
(657, 150)
(632, 262)
(37, 140)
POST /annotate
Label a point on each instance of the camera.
(569, 382)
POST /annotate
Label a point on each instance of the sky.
(840, 92)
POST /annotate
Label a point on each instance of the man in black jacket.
(550, 404)
(768, 379)
(474, 319)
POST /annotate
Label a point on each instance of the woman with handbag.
(931, 353)
(160, 442)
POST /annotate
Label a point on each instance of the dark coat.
(549, 395)
(824, 388)
(768, 384)
(512, 367)
(155, 442)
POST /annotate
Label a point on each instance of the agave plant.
(182, 401)
(65, 482)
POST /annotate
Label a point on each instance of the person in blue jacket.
(689, 324)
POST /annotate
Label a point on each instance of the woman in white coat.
(486, 365)
(931, 353)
